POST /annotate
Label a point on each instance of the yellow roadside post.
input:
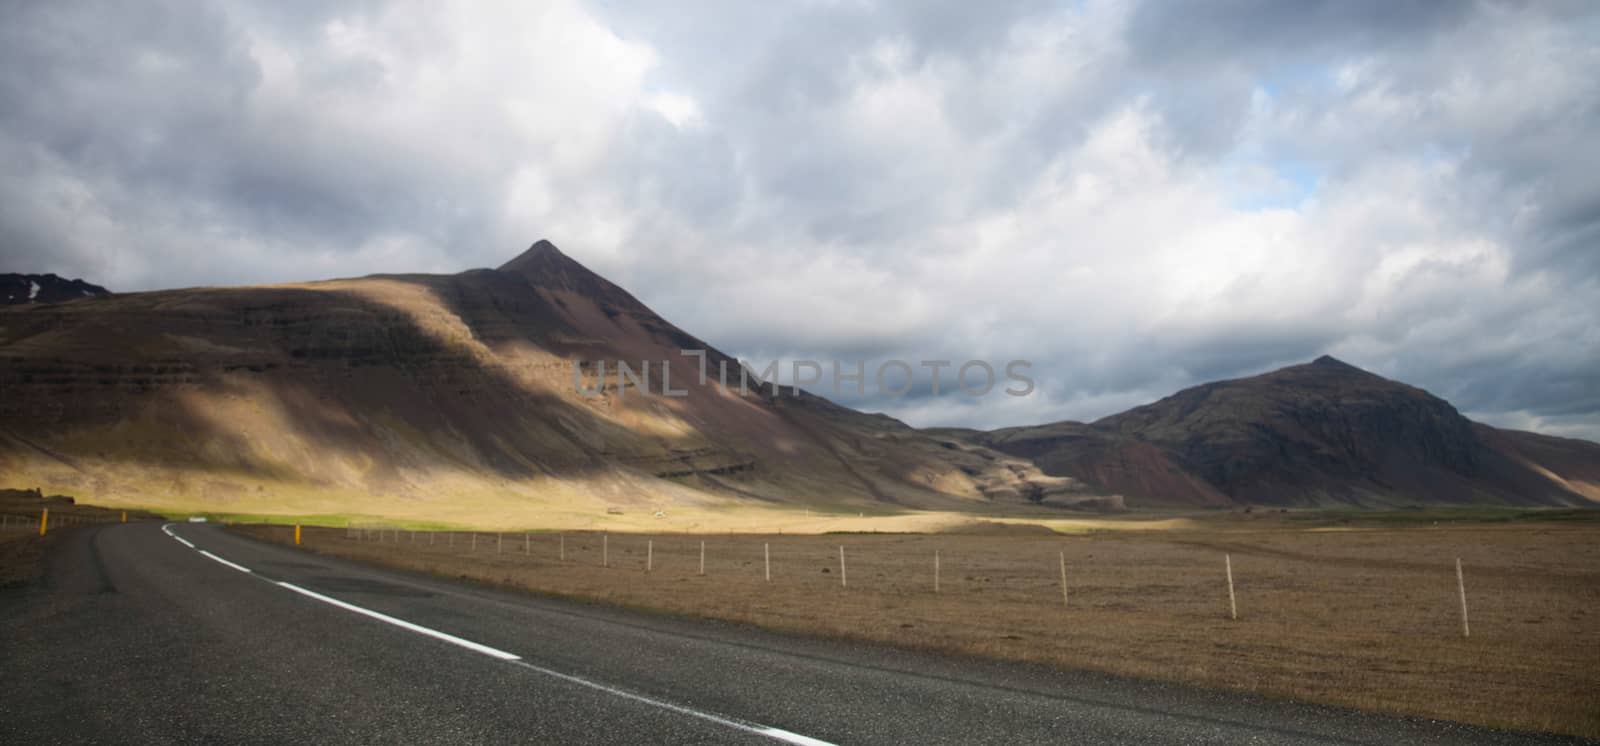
(44, 521)
(124, 516)
(297, 534)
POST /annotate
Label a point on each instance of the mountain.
(1323, 433)
(18, 289)
(463, 396)
(441, 396)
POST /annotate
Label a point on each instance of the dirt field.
(1368, 618)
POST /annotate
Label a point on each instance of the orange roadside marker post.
(297, 534)
(44, 521)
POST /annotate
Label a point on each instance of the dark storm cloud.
(1205, 34)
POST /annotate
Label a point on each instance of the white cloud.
(676, 108)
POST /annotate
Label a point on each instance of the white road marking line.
(403, 624)
(760, 730)
(240, 568)
(777, 733)
(167, 529)
(786, 736)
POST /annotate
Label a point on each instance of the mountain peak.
(545, 266)
(540, 253)
(1329, 361)
(543, 245)
(1328, 368)
(1330, 365)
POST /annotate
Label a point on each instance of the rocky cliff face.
(346, 393)
(1315, 434)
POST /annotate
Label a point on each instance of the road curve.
(145, 633)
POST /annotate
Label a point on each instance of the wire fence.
(1003, 571)
(18, 522)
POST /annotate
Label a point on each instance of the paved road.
(144, 633)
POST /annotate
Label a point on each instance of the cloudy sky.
(1133, 196)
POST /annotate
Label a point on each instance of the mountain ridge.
(18, 289)
(424, 393)
(1323, 432)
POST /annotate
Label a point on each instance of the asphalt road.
(136, 636)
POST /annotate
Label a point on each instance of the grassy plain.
(1343, 610)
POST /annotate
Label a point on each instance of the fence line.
(382, 533)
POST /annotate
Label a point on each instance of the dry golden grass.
(1362, 618)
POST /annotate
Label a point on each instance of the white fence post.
(1233, 606)
(1064, 579)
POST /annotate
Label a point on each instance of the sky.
(1132, 196)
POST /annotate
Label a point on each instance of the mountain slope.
(432, 394)
(1571, 463)
(1316, 434)
(17, 289)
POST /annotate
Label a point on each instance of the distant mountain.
(1323, 433)
(440, 395)
(430, 395)
(17, 289)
